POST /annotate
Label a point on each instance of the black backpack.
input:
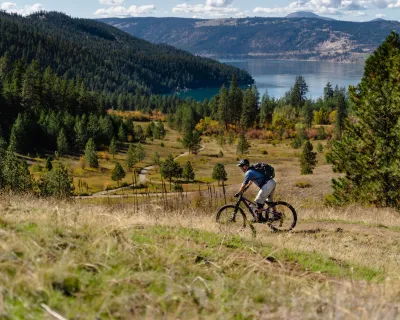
(267, 170)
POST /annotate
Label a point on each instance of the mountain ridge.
(264, 38)
(107, 58)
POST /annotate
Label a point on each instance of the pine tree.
(15, 173)
(308, 114)
(170, 169)
(62, 143)
(156, 159)
(298, 92)
(192, 141)
(31, 87)
(243, 145)
(121, 133)
(113, 148)
(328, 91)
(223, 107)
(90, 154)
(341, 115)
(368, 153)
(235, 100)
(267, 108)
(48, 165)
(57, 183)
(188, 172)
(308, 159)
(249, 109)
(139, 153)
(130, 157)
(219, 173)
(139, 134)
(118, 173)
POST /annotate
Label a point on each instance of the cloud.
(12, 7)
(111, 2)
(218, 8)
(119, 11)
(330, 7)
(394, 4)
(380, 15)
(218, 3)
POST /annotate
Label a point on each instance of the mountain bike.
(279, 215)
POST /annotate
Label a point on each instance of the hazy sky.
(355, 10)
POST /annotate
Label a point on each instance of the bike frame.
(247, 204)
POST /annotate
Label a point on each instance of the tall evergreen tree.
(31, 87)
(267, 108)
(368, 153)
(188, 172)
(130, 157)
(192, 141)
(298, 93)
(90, 154)
(308, 114)
(341, 115)
(113, 148)
(223, 107)
(57, 183)
(62, 143)
(139, 153)
(249, 109)
(118, 173)
(308, 159)
(219, 173)
(243, 145)
(170, 169)
(235, 100)
(328, 91)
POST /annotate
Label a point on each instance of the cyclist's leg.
(270, 197)
(266, 192)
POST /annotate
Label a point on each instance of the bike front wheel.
(231, 219)
(281, 216)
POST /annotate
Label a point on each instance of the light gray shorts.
(266, 193)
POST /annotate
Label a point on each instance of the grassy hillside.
(111, 262)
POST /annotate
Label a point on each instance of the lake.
(277, 76)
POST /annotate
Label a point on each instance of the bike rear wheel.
(231, 219)
(281, 216)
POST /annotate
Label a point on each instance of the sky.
(349, 10)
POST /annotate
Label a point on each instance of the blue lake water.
(277, 76)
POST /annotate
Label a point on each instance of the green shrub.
(303, 184)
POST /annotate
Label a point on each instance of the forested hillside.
(106, 58)
(271, 38)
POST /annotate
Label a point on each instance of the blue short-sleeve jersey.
(255, 176)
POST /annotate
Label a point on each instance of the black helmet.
(244, 162)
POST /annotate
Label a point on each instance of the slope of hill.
(271, 38)
(105, 57)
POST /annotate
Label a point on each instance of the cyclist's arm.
(244, 186)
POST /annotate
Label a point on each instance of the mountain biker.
(267, 186)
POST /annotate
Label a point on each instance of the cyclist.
(267, 186)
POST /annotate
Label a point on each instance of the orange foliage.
(138, 115)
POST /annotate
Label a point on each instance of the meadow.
(165, 257)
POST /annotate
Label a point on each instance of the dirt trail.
(142, 179)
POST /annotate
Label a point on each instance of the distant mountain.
(106, 58)
(306, 14)
(268, 38)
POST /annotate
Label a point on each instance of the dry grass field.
(165, 257)
(112, 261)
